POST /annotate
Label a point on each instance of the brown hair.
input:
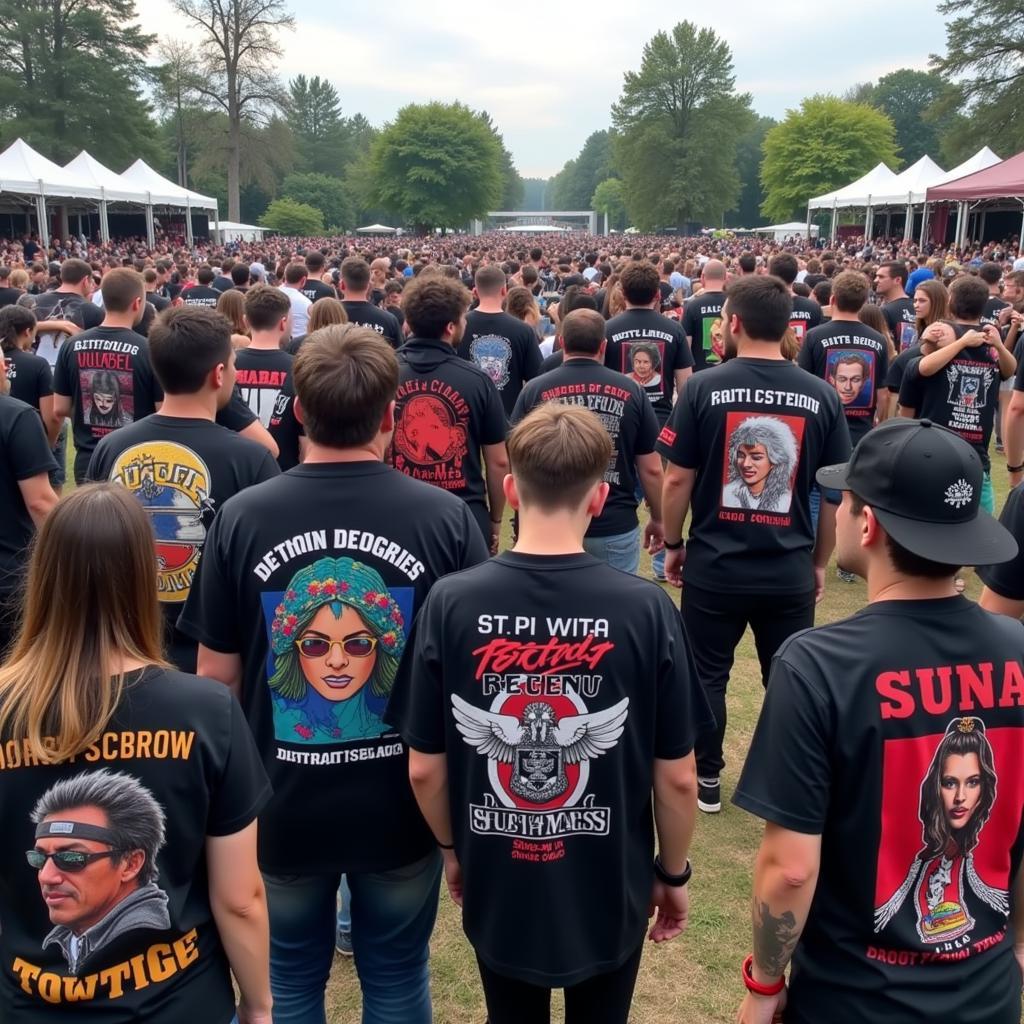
(295, 273)
(61, 686)
(640, 282)
(355, 273)
(265, 307)
(849, 291)
(583, 332)
(432, 303)
(345, 376)
(939, 299)
(72, 271)
(873, 317)
(324, 312)
(490, 280)
(557, 453)
(120, 288)
(520, 303)
(231, 305)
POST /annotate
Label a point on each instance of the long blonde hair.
(90, 601)
(324, 312)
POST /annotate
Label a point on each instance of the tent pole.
(188, 222)
(44, 228)
(981, 228)
(150, 229)
(1020, 241)
(924, 225)
(835, 217)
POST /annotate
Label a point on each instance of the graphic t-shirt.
(756, 431)
(313, 578)
(901, 318)
(285, 427)
(109, 378)
(24, 453)
(182, 471)
(261, 375)
(702, 322)
(505, 349)
(551, 683)
(806, 315)
(854, 359)
(447, 409)
(902, 735)
(62, 306)
(177, 745)
(200, 295)
(648, 347)
(964, 396)
(314, 290)
(366, 314)
(898, 367)
(30, 376)
(993, 307)
(626, 415)
(1007, 578)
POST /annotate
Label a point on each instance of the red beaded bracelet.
(755, 986)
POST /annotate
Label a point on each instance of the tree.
(324, 193)
(909, 98)
(573, 186)
(238, 51)
(292, 218)
(266, 153)
(747, 212)
(535, 193)
(69, 77)
(825, 144)
(313, 110)
(609, 199)
(511, 183)
(437, 165)
(179, 85)
(678, 121)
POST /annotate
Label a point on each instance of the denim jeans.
(344, 906)
(393, 914)
(620, 551)
(60, 452)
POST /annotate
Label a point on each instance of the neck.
(890, 585)
(841, 314)
(351, 296)
(596, 357)
(489, 304)
(551, 533)
(269, 340)
(966, 323)
(123, 320)
(755, 348)
(372, 452)
(895, 296)
(67, 289)
(646, 305)
(125, 663)
(200, 406)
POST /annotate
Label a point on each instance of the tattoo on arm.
(775, 938)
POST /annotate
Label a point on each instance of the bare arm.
(61, 406)
(496, 463)
(39, 497)
(1007, 361)
(993, 602)
(259, 433)
(1017, 917)
(428, 776)
(675, 810)
(824, 544)
(675, 504)
(651, 480)
(61, 326)
(50, 422)
(935, 362)
(225, 668)
(239, 904)
(1014, 434)
(682, 376)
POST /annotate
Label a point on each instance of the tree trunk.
(234, 169)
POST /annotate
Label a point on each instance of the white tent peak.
(24, 170)
(162, 190)
(859, 192)
(115, 190)
(982, 159)
(910, 185)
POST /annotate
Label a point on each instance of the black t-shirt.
(854, 359)
(552, 362)
(176, 744)
(993, 307)
(648, 347)
(285, 428)
(551, 683)
(9, 296)
(366, 314)
(806, 315)
(871, 729)
(63, 306)
(223, 283)
(447, 409)
(964, 396)
(24, 453)
(260, 375)
(505, 349)
(335, 554)
(902, 320)
(157, 301)
(756, 431)
(182, 471)
(200, 295)
(626, 415)
(314, 290)
(898, 367)
(700, 316)
(1007, 578)
(108, 376)
(30, 376)
(236, 415)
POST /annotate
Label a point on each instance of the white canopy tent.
(161, 191)
(908, 190)
(982, 159)
(112, 188)
(858, 193)
(232, 231)
(376, 229)
(780, 232)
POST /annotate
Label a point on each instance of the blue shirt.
(919, 275)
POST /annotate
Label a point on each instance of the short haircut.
(120, 288)
(240, 273)
(345, 376)
(640, 283)
(557, 453)
(355, 272)
(763, 304)
(714, 270)
(822, 292)
(394, 286)
(205, 275)
(904, 561)
(968, 297)
(315, 261)
(150, 276)
(432, 303)
(226, 264)
(583, 332)
(71, 271)
(897, 269)
(575, 297)
(850, 291)
(747, 262)
(5, 273)
(536, 254)
(785, 266)
(185, 344)
(265, 306)
(134, 818)
(490, 280)
(295, 273)
(990, 273)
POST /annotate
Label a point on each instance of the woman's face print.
(104, 402)
(344, 668)
(642, 365)
(961, 788)
(753, 466)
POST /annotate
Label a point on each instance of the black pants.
(602, 999)
(715, 623)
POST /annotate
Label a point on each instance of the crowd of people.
(271, 669)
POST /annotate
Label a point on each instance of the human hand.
(674, 566)
(672, 904)
(495, 537)
(972, 339)
(248, 1015)
(757, 1009)
(654, 536)
(453, 876)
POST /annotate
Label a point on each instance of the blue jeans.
(344, 906)
(393, 914)
(620, 551)
(60, 452)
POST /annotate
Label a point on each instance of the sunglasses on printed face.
(71, 861)
(361, 646)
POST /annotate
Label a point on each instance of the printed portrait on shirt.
(969, 385)
(493, 354)
(937, 880)
(96, 839)
(643, 361)
(799, 329)
(429, 433)
(336, 637)
(713, 341)
(852, 373)
(762, 454)
(907, 336)
(107, 401)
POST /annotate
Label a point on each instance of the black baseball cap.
(923, 482)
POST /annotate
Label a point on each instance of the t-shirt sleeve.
(243, 788)
(211, 612)
(691, 322)
(44, 379)
(647, 435)
(63, 371)
(475, 550)
(521, 408)
(99, 464)
(805, 357)
(531, 357)
(683, 358)
(148, 383)
(393, 330)
(268, 466)
(494, 426)
(678, 441)
(788, 772)
(28, 452)
(1007, 578)
(1018, 380)
(894, 375)
(912, 387)
(837, 446)
(236, 415)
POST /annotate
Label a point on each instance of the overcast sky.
(548, 73)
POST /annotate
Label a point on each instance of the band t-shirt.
(260, 375)
(30, 376)
(626, 415)
(902, 320)
(897, 735)
(898, 367)
(756, 431)
(854, 359)
(993, 307)
(176, 744)
(551, 683)
(505, 349)
(63, 306)
(313, 578)
(366, 314)
(963, 396)
(200, 295)
(806, 315)
(648, 347)
(1007, 578)
(314, 290)
(181, 471)
(285, 428)
(702, 322)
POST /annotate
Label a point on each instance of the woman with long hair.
(931, 303)
(521, 304)
(135, 790)
(763, 456)
(324, 312)
(30, 377)
(873, 317)
(231, 304)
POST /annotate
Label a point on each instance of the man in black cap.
(886, 763)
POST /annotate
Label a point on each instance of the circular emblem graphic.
(428, 431)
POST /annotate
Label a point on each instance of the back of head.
(489, 281)
(575, 297)
(266, 307)
(640, 282)
(324, 312)
(74, 271)
(355, 272)
(520, 303)
(583, 332)
(967, 298)
(431, 303)
(120, 288)
(784, 266)
(14, 321)
(295, 273)
(231, 305)
(240, 274)
(822, 292)
(185, 344)
(873, 317)
(990, 273)
(205, 276)
(315, 262)
(763, 304)
(345, 376)
(714, 275)
(850, 291)
(747, 262)
(557, 454)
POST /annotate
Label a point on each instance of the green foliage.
(535, 194)
(677, 122)
(747, 212)
(511, 183)
(575, 183)
(323, 193)
(69, 78)
(824, 145)
(609, 198)
(437, 165)
(313, 110)
(292, 218)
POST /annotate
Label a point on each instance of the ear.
(387, 423)
(508, 486)
(604, 347)
(132, 865)
(871, 531)
(596, 499)
(217, 376)
(297, 407)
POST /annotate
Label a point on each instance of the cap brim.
(833, 477)
(982, 541)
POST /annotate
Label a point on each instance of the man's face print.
(753, 465)
(851, 373)
(762, 454)
(493, 354)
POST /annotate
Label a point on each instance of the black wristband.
(1014, 469)
(676, 881)
(446, 846)
(675, 547)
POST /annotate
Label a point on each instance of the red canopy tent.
(1004, 180)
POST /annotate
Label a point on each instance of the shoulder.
(12, 409)
(189, 695)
